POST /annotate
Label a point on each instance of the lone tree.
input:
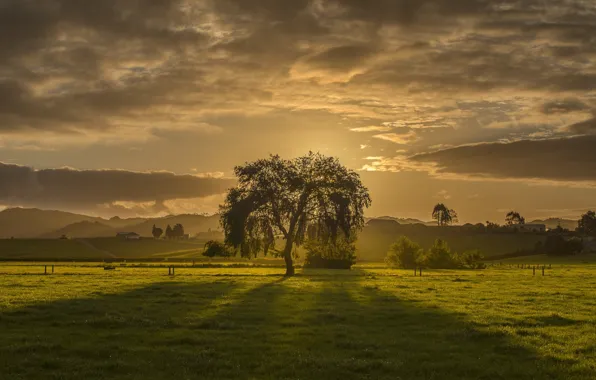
(279, 198)
(157, 232)
(514, 218)
(169, 232)
(443, 215)
(587, 223)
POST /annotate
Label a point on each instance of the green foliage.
(278, 198)
(439, 256)
(472, 259)
(557, 245)
(330, 254)
(587, 223)
(443, 215)
(215, 248)
(404, 253)
(407, 254)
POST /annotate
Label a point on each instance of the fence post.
(52, 269)
(45, 269)
(173, 271)
(169, 271)
(534, 271)
(415, 271)
(420, 271)
(543, 270)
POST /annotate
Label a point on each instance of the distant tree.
(169, 234)
(215, 248)
(404, 253)
(514, 218)
(178, 231)
(490, 226)
(587, 223)
(157, 232)
(278, 198)
(443, 215)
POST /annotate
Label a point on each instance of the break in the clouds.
(243, 78)
(116, 190)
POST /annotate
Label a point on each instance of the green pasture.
(83, 322)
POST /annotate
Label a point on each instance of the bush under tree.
(330, 254)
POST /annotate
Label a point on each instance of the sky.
(143, 107)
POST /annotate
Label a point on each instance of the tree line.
(171, 233)
(406, 254)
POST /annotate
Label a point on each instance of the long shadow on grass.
(145, 333)
(333, 329)
(302, 328)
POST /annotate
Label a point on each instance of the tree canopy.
(587, 223)
(284, 199)
(443, 215)
(157, 232)
(514, 218)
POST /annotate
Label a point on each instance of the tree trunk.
(288, 258)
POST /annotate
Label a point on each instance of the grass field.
(99, 248)
(368, 323)
(50, 248)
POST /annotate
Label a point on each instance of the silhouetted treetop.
(443, 215)
(514, 218)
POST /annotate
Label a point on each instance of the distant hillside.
(554, 222)
(406, 220)
(82, 229)
(23, 223)
(35, 223)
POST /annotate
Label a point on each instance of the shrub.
(472, 259)
(216, 249)
(440, 257)
(404, 253)
(340, 254)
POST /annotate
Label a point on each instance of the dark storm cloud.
(584, 127)
(564, 106)
(568, 159)
(21, 185)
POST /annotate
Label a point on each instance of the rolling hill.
(84, 229)
(552, 223)
(28, 223)
(24, 223)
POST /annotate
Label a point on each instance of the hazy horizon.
(140, 108)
